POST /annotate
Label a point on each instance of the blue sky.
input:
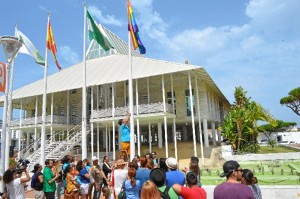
(252, 43)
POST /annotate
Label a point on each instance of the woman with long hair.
(84, 178)
(72, 187)
(106, 167)
(248, 179)
(149, 190)
(132, 186)
(14, 183)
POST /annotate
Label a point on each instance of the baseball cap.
(94, 158)
(228, 168)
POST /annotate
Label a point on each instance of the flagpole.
(43, 135)
(9, 114)
(4, 122)
(84, 134)
(130, 92)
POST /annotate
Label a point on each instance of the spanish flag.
(2, 77)
(51, 44)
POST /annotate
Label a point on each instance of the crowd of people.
(144, 177)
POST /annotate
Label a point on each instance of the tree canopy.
(240, 126)
(292, 100)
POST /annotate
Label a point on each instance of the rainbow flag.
(51, 45)
(134, 30)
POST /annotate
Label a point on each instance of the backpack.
(35, 182)
(165, 193)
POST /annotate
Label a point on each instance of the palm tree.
(240, 126)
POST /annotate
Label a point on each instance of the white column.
(68, 113)
(137, 119)
(192, 112)
(125, 95)
(165, 117)
(98, 141)
(150, 137)
(213, 131)
(52, 138)
(98, 133)
(206, 143)
(35, 121)
(113, 122)
(109, 139)
(174, 119)
(92, 123)
(20, 131)
(106, 140)
(148, 89)
(199, 121)
(159, 134)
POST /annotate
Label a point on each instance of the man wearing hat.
(125, 135)
(158, 176)
(173, 176)
(232, 188)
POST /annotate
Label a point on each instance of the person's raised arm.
(127, 119)
(27, 179)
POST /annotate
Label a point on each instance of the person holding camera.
(14, 182)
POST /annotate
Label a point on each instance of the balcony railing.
(143, 109)
(31, 121)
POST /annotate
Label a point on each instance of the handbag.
(122, 194)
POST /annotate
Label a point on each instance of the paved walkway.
(269, 156)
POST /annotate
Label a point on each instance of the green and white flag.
(29, 48)
(96, 34)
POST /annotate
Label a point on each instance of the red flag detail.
(51, 45)
(2, 77)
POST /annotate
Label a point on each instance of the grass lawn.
(276, 149)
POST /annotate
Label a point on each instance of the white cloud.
(71, 57)
(108, 19)
(261, 55)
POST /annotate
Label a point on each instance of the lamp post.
(11, 46)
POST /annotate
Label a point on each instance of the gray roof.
(109, 69)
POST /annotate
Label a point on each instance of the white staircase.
(53, 149)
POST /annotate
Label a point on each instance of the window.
(61, 111)
(169, 99)
(188, 102)
(144, 99)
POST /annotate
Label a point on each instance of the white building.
(162, 102)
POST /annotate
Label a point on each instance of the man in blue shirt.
(125, 135)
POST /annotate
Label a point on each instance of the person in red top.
(192, 190)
